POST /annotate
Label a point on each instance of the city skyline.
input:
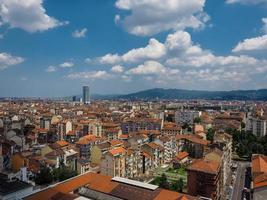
(202, 45)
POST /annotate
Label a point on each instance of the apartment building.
(186, 116)
(113, 163)
(203, 179)
(137, 124)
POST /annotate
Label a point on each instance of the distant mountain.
(159, 93)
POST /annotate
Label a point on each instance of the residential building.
(203, 179)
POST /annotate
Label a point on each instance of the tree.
(62, 173)
(197, 120)
(163, 183)
(44, 176)
(178, 185)
(210, 134)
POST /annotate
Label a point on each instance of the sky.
(52, 48)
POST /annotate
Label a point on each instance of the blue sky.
(52, 48)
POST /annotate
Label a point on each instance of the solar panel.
(134, 183)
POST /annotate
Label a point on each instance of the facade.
(259, 176)
(259, 127)
(86, 94)
(96, 186)
(203, 179)
(113, 163)
(135, 125)
(187, 116)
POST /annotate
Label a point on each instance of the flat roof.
(134, 183)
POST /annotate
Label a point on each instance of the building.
(86, 94)
(259, 126)
(137, 124)
(203, 179)
(187, 116)
(113, 163)
(259, 176)
(13, 188)
(101, 187)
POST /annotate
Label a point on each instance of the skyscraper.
(86, 95)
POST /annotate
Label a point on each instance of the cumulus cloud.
(91, 75)
(79, 33)
(253, 44)
(154, 50)
(51, 69)
(117, 69)
(264, 28)
(29, 15)
(7, 60)
(67, 65)
(150, 17)
(257, 43)
(246, 2)
(149, 67)
(182, 61)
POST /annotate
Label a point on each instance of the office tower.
(86, 95)
(74, 98)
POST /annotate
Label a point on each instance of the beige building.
(113, 163)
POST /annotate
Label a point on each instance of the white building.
(186, 116)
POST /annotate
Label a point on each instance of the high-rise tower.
(86, 95)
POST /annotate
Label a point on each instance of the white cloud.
(91, 75)
(150, 17)
(149, 67)
(7, 60)
(88, 60)
(264, 28)
(117, 69)
(67, 65)
(79, 33)
(117, 19)
(110, 59)
(181, 61)
(23, 78)
(253, 2)
(29, 15)
(252, 44)
(154, 50)
(51, 68)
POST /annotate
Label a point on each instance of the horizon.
(196, 45)
(119, 94)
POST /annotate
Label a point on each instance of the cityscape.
(133, 100)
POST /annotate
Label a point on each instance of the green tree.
(163, 183)
(178, 185)
(197, 120)
(210, 134)
(44, 176)
(62, 173)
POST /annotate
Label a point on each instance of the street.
(240, 180)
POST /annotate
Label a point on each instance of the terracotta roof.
(62, 143)
(259, 170)
(207, 166)
(115, 142)
(117, 151)
(106, 185)
(86, 139)
(259, 163)
(171, 195)
(124, 136)
(193, 138)
(260, 181)
(153, 145)
(181, 155)
(71, 132)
